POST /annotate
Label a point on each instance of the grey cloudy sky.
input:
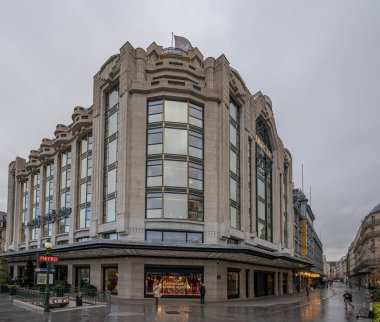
(319, 62)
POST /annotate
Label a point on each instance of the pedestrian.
(156, 290)
(347, 299)
(298, 288)
(307, 290)
(202, 290)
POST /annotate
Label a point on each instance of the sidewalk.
(323, 305)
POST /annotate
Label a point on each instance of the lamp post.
(48, 247)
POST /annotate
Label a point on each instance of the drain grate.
(172, 312)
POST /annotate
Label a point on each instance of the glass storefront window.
(110, 279)
(233, 284)
(82, 278)
(174, 281)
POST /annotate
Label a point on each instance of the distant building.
(307, 244)
(3, 227)
(363, 256)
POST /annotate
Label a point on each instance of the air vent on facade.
(175, 63)
(176, 83)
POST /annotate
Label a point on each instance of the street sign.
(44, 270)
(48, 259)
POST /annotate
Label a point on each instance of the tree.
(29, 273)
(4, 271)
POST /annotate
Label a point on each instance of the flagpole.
(172, 38)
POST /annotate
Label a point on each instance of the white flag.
(182, 42)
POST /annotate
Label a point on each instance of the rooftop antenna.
(172, 38)
(302, 178)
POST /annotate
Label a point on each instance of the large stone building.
(363, 257)
(175, 172)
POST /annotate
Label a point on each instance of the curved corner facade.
(175, 172)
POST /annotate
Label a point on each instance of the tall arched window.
(264, 182)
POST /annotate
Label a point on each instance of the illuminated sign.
(304, 236)
(48, 259)
(263, 147)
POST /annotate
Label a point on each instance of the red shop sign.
(50, 259)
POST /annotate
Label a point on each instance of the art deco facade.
(363, 257)
(175, 172)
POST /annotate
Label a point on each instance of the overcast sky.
(318, 61)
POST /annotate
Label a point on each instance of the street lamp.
(48, 247)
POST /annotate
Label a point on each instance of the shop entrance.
(175, 281)
(264, 283)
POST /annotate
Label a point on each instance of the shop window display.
(174, 282)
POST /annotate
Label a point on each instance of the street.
(322, 305)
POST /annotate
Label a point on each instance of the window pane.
(63, 179)
(195, 140)
(112, 151)
(154, 181)
(175, 141)
(175, 173)
(82, 218)
(176, 111)
(89, 165)
(233, 217)
(155, 109)
(195, 238)
(261, 188)
(83, 193)
(155, 149)
(83, 166)
(111, 181)
(261, 210)
(197, 153)
(155, 136)
(174, 237)
(195, 184)
(261, 231)
(233, 162)
(154, 168)
(233, 135)
(195, 171)
(195, 121)
(175, 206)
(196, 112)
(84, 145)
(233, 111)
(233, 189)
(110, 210)
(89, 191)
(153, 213)
(111, 125)
(152, 235)
(154, 201)
(113, 98)
(154, 118)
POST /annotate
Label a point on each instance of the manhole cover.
(172, 312)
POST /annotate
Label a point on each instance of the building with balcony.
(175, 172)
(363, 257)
